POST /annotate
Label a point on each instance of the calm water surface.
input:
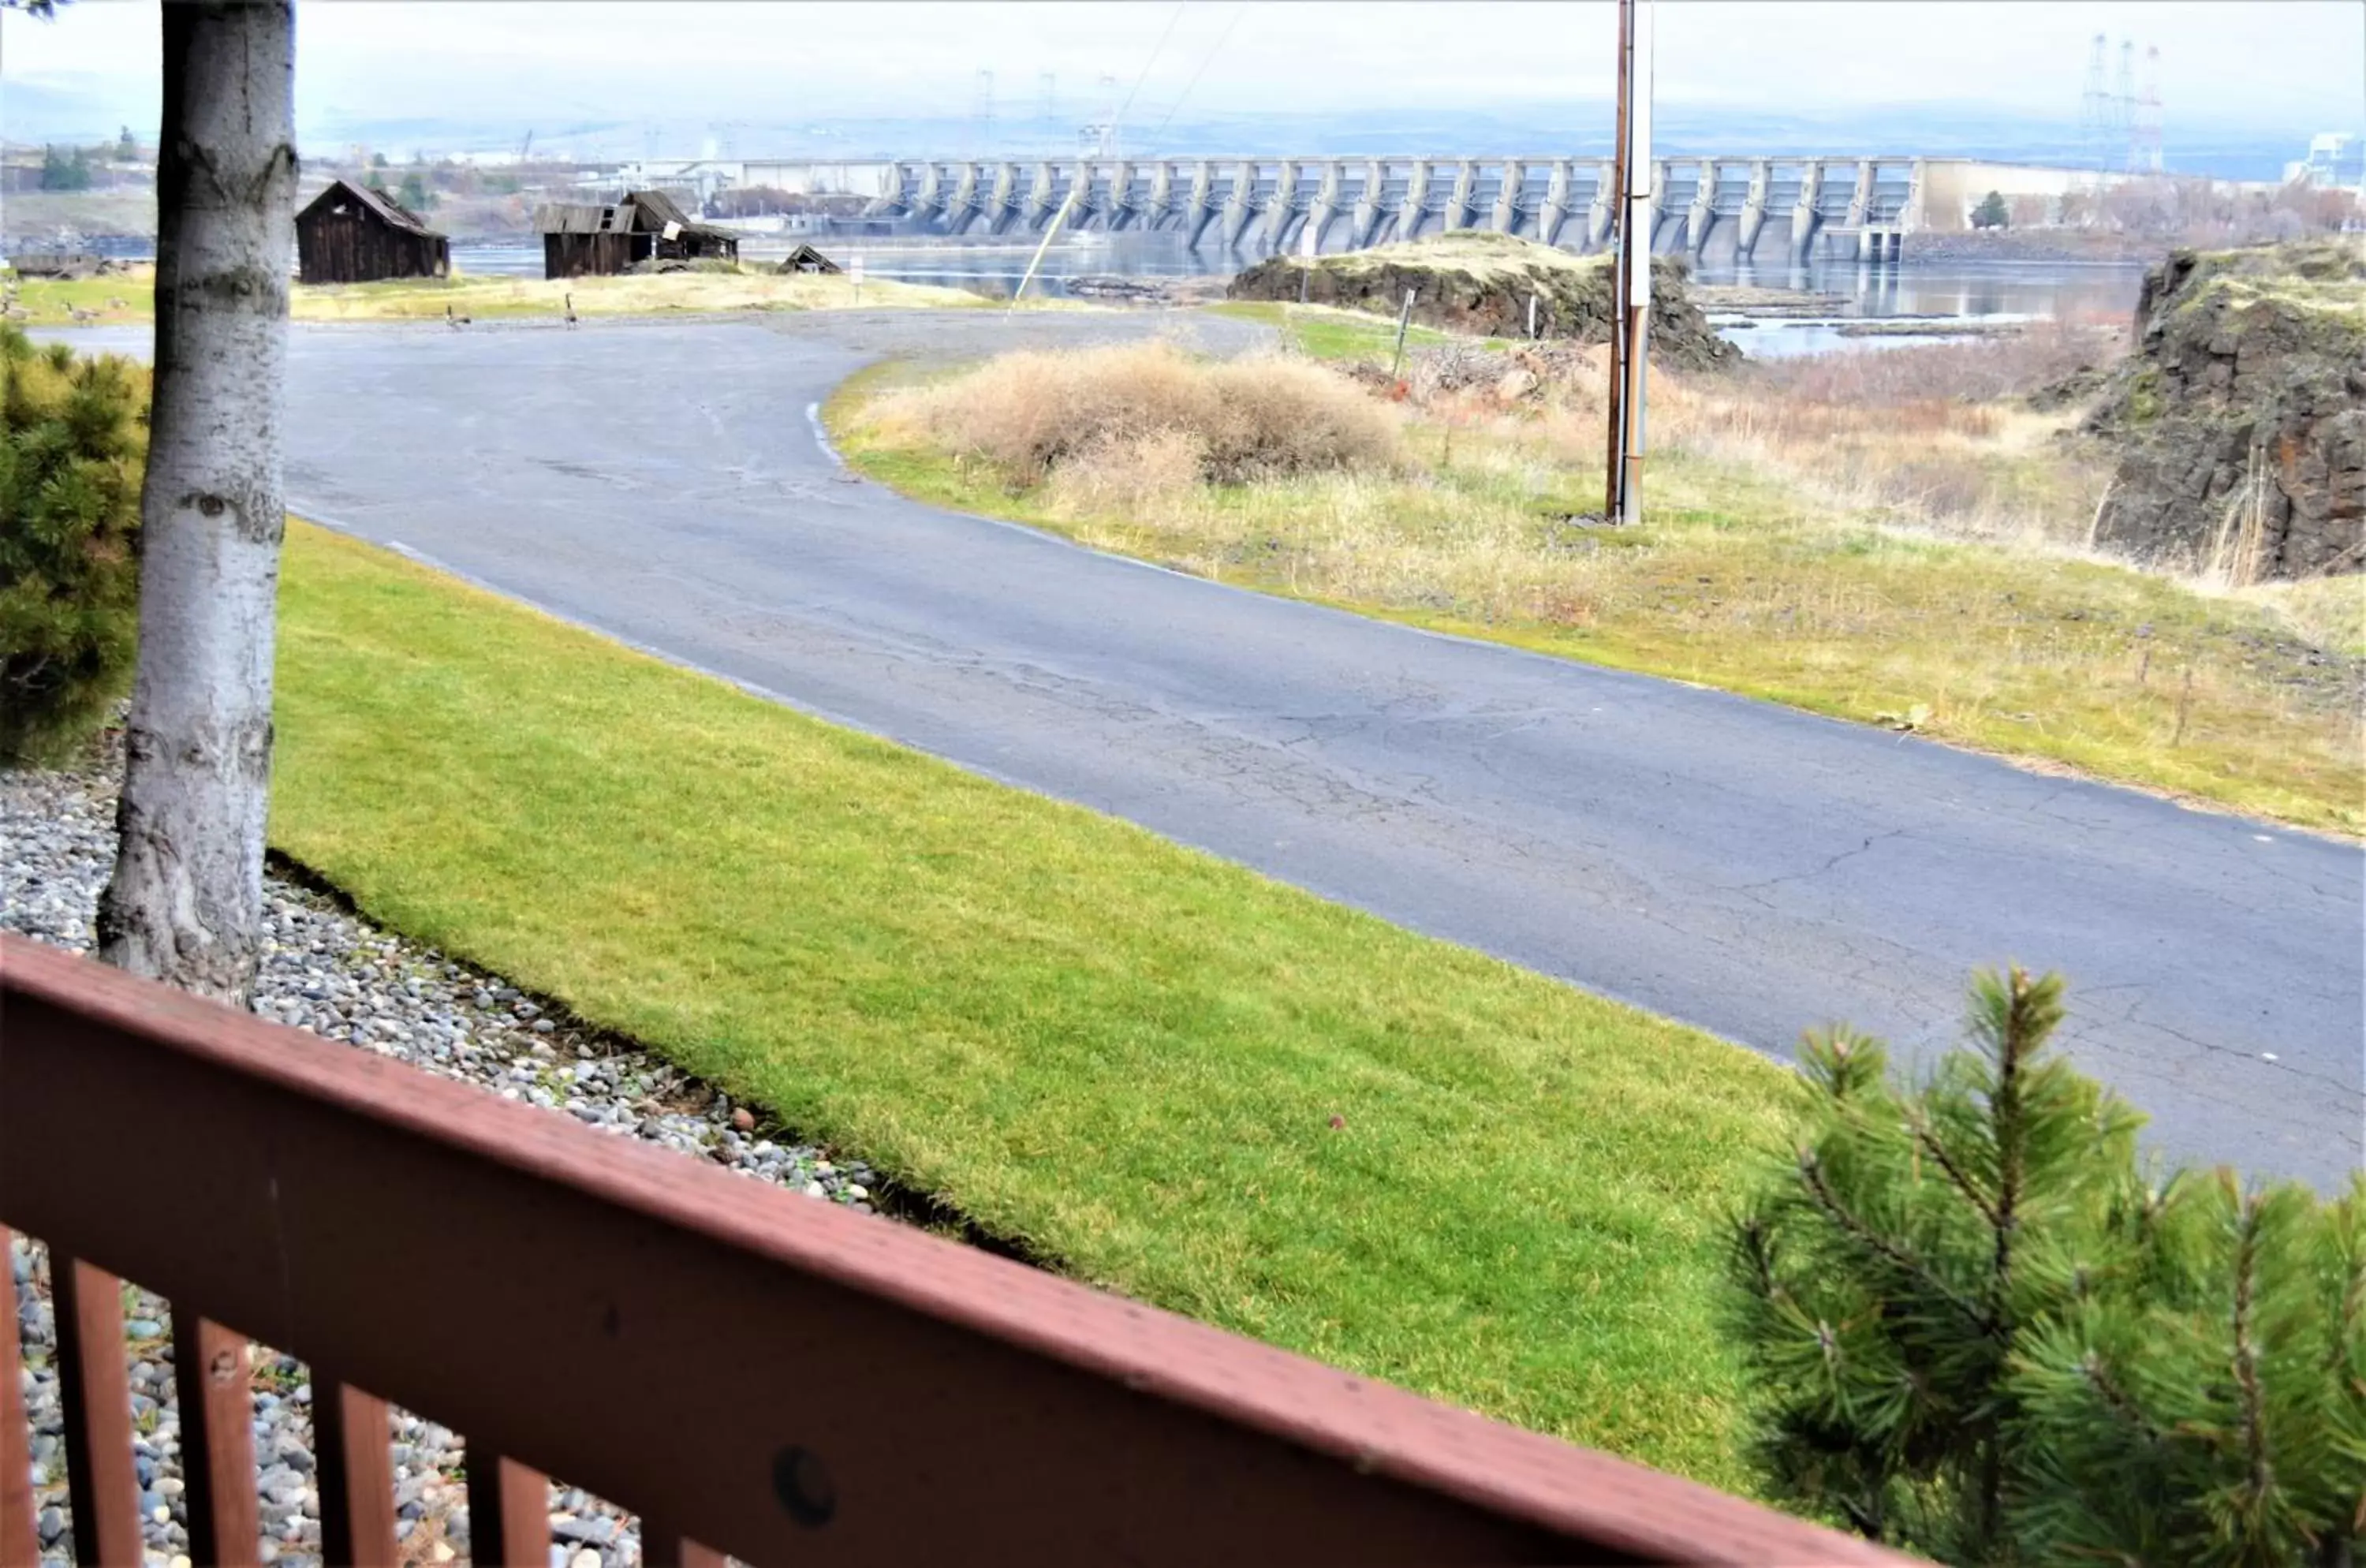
(1983, 291)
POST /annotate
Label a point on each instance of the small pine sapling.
(2209, 1405)
(1884, 1272)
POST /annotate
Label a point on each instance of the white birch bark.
(185, 902)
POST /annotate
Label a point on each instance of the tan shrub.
(1032, 413)
(1126, 473)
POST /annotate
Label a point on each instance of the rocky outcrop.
(1481, 284)
(2240, 415)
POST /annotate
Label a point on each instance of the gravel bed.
(331, 973)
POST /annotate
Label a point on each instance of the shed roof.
(377, 201)
(583, 218)
(653, 209)
(804, 258)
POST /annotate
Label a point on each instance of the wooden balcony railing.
(750, 1371)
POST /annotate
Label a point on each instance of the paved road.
(1748, 868)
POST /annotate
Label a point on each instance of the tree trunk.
(185, 902)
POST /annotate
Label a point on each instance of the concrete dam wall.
(1757, 207)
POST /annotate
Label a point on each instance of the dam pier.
(1754, 208)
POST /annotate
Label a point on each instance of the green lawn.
(1126, 1055)
(1325, 331)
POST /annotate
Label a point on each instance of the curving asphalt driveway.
(1748, 868)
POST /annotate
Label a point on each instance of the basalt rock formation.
(2240, 415)
(1481, 284)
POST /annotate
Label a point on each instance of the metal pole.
(1632, 267)
(1404, 319)
(1637, 324)
(1052, 230)
(1613, 466)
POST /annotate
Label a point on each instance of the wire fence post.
(1404, 319)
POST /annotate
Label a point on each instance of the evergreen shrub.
(1975, 1328)
(74, 440)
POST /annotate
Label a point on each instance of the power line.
(1211, 59)
(1119, 118)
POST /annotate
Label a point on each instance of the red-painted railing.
(750, 1370)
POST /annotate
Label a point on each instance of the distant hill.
(87, 110)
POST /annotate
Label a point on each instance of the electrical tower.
(2125, 102)
(981, 118)
(1047, 108)
(2144, 131)
(1108, 120)
(2095, 110)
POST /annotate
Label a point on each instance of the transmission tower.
(1047, 107)
(981, 116)
(2143, 133)
(1109, 117)
(2095, 109)
(2125, 102)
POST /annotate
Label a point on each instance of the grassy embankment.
(1327, 332)
(128, 297)
(1165, 1074)
(1839, 535)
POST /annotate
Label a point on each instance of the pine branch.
(1920, 1125)
(2246, 1353)
(2117, 1399)
(2005, 1117)
(1812, 1172)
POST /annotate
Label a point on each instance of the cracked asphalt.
(1748, 868)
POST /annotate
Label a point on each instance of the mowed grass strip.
(1327, 332)
(1126, 1055)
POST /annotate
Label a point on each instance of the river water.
(1975, 293)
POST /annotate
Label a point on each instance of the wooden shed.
(581, 239)
(351, 234)
(804, 258)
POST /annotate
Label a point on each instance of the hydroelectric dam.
(1862, 207)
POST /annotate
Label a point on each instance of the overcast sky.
(2299, 65)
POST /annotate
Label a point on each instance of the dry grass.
(130, 296)
(1924, 438)
(1917, 565)
(1480, 253)
(1128, 420)
(657, 295)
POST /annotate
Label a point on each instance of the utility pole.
(1631, 262)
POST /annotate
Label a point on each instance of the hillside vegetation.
(1836, 536)
(1486, 285)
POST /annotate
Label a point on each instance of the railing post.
(215, 1383)
(356, 1473)
(95, 1388)
(509, 1511)
(663, 1546)
(19, 1541)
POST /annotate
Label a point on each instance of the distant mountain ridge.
(38, 111)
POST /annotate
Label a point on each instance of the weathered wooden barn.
(351, 234)
(588, 239)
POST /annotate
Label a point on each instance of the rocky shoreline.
(329, 972)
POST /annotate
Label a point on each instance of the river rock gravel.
(331, 973)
